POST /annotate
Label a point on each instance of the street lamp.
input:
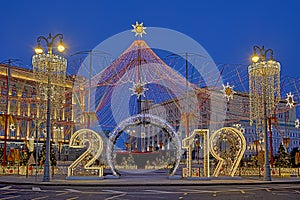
(53, 67)
(264, 93)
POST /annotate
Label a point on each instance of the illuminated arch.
(139, 119)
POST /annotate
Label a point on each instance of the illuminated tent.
(138, 75)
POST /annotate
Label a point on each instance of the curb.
(101, 183)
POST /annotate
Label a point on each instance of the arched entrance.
(137, 120)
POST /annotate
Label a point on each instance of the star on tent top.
(139, 29)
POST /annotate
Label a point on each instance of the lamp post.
(264, 84)
(54, 68)
(6, 112)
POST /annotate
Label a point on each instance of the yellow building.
(27, 112)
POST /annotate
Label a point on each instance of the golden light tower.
(264, 93)
(50, 72)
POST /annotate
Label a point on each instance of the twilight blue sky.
(227, 29)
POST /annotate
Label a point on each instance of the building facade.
(26, 111)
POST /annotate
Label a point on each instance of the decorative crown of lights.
(139, 29)
(228, 91)
(290, 100)
(297, 123)
(264, 85)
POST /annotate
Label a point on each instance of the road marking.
(36, 189)
(113, 191)
(62, 193)
(11, 197)
(297, 191)
(180, 198)
(117, 196)
(44, 197)
(268, 190)
(214, 194)
(198, 191)
(6, 187)
(159, 191)
(72, 190)
(185, 193)
(250, 192)
(72, 198)
(243, 192)
(280, 194)
(10, 192)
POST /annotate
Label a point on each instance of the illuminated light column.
(264, 93)
(50, 67)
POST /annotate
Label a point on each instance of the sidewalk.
(142, 180)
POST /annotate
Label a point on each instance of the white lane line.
(63, 193)
(297, 191)
(268, 190)
(117, 196)
(11, 197)
(44, 197)
(10, 192)
(197, 191)
(214, 194)
(72, 190)
(243, 192)
(113, 191)
(159, 191)
(72, 198)
(6, 187)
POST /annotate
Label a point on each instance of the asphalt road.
(271, 191)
